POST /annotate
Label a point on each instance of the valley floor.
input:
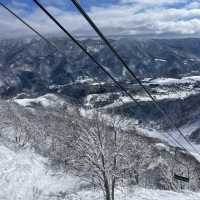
(24, 175)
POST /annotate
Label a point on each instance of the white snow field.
(173, 81)
(48, 100)
(24, 175)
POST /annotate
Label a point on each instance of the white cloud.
(9, 26)
(58, 3)
(155, 2)
(136, 17)
(193, 5)
(19, 4)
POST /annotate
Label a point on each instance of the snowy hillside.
(25, 175)
(69, 133)
(34, 67)
(161, 88)
(48, 100)
(179, 97)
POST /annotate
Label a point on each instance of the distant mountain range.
(32, 65)
(49, 96)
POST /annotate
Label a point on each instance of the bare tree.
(102, 153)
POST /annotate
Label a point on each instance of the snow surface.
(84, 80)
(165, 136)
(129, 124)
(171, 81)
(192, 78)
(161, 95)
(187, 131)
(169, 136)
(160, 161)
(48, 100)
(24, 176)
(137, 193)
(161, 146)
(160, 60)
(165, 81)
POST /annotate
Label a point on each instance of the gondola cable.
(92, 58)
(171, 138)
(121, 60)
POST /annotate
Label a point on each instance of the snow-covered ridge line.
(143, 98)
(160, 60)
(24, 175)
(182, 89)
(171, 81)
(48, 100)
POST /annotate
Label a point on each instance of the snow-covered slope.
(173, 81)
(48, 100)
(33, 67)
(161, 89)
(25, 176)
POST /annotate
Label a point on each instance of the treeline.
(90, 147)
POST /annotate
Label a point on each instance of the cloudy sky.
(136, 17)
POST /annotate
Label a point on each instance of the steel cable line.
(54, 46)
(84, 50)
(121, 60)
(95, 61)
(31, 28)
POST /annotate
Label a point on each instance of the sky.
(114, 17)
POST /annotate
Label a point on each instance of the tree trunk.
(113, 189)
(114, 168)
(107, 188)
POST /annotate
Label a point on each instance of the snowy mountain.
(34, 151)
(179, 97)
(25, 175)
(31, 65)
(56, 113)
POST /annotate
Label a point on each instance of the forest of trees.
(98, 151)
